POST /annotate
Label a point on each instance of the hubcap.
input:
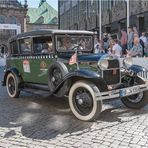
(11, 85)
(136, 98)
(82, 101)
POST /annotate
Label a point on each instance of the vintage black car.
(63, 63)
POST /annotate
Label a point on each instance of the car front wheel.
(136, 101)
(12, 86)
(83, 102)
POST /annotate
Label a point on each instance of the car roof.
(47, 31)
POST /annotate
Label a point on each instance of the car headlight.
(128, 62)
(103, 64)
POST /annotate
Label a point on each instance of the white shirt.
(117, 50)
(98, 48)
(144, 39)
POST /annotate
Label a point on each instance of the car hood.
(83, 57)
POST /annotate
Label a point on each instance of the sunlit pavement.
(38, 120)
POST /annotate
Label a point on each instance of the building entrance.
(6, 31)
(3, 51)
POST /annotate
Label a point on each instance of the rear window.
(14, 48)
(25, 46)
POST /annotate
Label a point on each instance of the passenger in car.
(24, 48)
(47, 48)
(65, 44)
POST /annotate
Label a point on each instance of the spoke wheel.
(135, 98)
(83, 102)
(136, 101)
(12, 85)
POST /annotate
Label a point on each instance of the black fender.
(83, 74)
(11, 70)
(137, 69)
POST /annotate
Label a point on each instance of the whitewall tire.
(12, 86)
(82, 101)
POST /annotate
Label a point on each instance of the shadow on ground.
(42, 117)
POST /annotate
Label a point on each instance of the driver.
(66, 44)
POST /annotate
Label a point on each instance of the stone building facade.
(84, 14)
(12, 21)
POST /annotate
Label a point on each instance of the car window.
(14, 48)
(42, 45)
(25, 46)
(70, 42)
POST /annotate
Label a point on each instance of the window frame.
(11, 50)
(56, 46)
(19, 45)
(40, 36)
(13, 18)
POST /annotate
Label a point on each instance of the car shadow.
(45, 117)
(120, 113)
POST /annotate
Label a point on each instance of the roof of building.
(44, 14)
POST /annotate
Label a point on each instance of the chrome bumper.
(123, 92)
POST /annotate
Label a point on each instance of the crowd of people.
(131, 44)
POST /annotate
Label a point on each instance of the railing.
(12, 4)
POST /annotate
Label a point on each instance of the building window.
(13, 20)
(40, 20)
(54, 20)
(2, 19)
(27, 19)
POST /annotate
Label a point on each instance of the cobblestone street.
(37, 120)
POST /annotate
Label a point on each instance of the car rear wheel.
(136, 101)
(83, 102)
(12, 85)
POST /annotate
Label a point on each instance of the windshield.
(71, 42)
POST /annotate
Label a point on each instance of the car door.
(25, 46)
(13, 61)
(43, 56)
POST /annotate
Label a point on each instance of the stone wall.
(19, 13)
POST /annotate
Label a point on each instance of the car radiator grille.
(112, 74)
(143, 75)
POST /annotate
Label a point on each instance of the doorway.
(3, 51)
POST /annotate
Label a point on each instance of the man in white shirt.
(117, 50)
(143, 37)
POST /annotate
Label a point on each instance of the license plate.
(128, 91)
